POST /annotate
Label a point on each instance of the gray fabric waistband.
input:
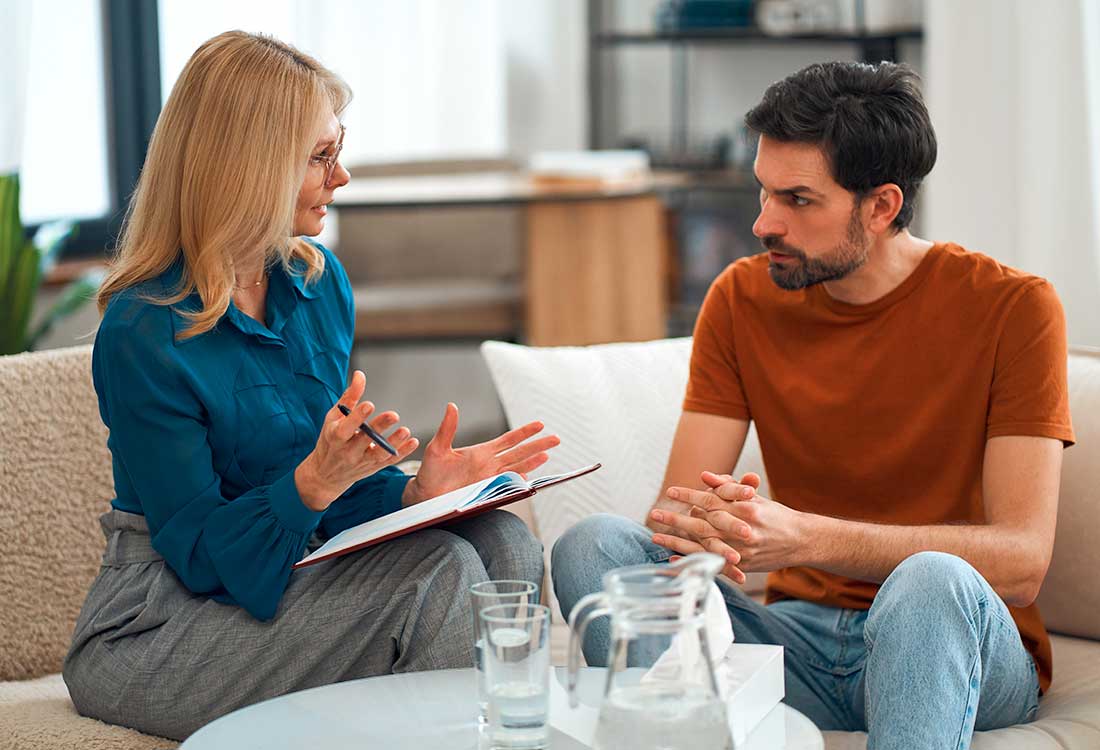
(127, 539)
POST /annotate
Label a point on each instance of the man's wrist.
(813, 534)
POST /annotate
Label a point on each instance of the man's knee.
(589, 549)
(931, 583)
(600, 539)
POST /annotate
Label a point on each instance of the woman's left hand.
(447, 468)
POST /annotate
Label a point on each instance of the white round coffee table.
(435, 710)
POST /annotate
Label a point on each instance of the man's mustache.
(776, 245)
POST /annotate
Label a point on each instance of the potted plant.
(24, 262)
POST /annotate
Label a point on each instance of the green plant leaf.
(18, 299)
(11, 236)
(73, 297)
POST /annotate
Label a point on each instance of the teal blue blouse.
(205, 433)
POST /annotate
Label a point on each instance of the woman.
(221, 354)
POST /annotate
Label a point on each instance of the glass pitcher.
(661, 691)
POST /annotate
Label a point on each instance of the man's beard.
(799, 272)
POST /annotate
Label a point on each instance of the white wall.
(1019, 138)
(545, 53)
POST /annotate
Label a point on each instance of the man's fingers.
(715, 480)
(731, 526)
(733, 492)
(734, 573)
(695, 526)
(676, 544)
(698, 498)
(752, 479)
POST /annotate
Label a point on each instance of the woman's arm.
(158, 436)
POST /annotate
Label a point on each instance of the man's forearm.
(1008, 559)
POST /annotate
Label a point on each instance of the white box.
(754, 684)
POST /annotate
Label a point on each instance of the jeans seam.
(971, 706)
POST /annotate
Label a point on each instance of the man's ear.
(885, 202)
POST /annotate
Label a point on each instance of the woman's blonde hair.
(224, 168)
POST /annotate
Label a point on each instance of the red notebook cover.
(455, 515)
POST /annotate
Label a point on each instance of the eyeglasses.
(331, 160)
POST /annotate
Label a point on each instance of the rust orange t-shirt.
(881, 412)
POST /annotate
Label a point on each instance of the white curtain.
(15, 39)
(1013, 87)
(428, 75)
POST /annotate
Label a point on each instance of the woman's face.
(315, 194)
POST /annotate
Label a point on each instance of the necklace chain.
(251, 286)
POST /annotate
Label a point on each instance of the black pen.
(370, 432)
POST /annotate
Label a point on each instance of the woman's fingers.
(528, 464)
(445, 435)
(525, 451)
(512, 438)
(354, 391)
(347, 425)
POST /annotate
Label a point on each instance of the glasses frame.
(332, 160)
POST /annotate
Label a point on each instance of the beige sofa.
(619, 403)
(616, 403)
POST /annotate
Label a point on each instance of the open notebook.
(465, 502)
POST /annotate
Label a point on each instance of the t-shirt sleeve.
(1030, 394)
(714, 380)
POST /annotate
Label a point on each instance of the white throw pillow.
(613, 403)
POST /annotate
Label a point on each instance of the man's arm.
(1011, 549)
(703, 442)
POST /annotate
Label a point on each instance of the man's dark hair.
(870, 121)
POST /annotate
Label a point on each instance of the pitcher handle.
(578, 625)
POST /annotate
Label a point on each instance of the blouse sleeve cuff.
(392, 492)
(288, 507)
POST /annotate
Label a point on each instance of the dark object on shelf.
(707, 156)
(677, 15)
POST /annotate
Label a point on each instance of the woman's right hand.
(344, 455)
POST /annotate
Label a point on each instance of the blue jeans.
(936, 657)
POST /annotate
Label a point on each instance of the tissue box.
(753, 676)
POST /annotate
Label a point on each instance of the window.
(64, 171)
(428, 75)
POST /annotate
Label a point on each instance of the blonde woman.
(218, 365)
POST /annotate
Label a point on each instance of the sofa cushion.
(55, 479)
(1070, 597)
(38, 715)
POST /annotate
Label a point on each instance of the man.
(911, 404)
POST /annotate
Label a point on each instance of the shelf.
(749, 34)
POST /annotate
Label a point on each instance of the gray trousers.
(148, 653)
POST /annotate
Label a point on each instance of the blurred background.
(552, 172)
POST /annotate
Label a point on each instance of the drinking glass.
(516, 653)
(491, 594)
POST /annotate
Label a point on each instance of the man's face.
(809, 224)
